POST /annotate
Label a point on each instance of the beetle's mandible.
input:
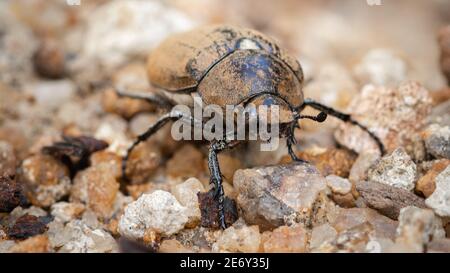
(227, 65)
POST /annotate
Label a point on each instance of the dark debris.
(28, 226)
(11, 194)
(209, 209)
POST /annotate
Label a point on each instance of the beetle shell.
(181, 61)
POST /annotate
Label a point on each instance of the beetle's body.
(227, 65)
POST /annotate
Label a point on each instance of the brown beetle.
(227, 65)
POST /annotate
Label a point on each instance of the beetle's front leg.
(216, 175)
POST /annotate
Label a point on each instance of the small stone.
(6, 245)
(11, 194)
(327, 161)
(285, 239)
(125, 107)
(439, 246)
(77, 237)
(338, 184)
(66, 212)
(106, 158)
(439, 201)
(349, 218)
(397, 170)
(112, 129)
(238, 238)
(159, 211)
(417, 227)
(386, 199)
(143, 161)
(269, 195)
(186, 162)
(186, 194)
(362, 165)
(46, 180)
(322, 234)
(395, 115)
(427, 183)
(444, 42)
(209, 209)
(28, 226)
(36, 244)
(51, 93)
(7, 159)
(151, 239)
(97, 188)
(173, 246)
(341, 191)
(49, 60)
(437, 140)
(131, 37)
(381, 67)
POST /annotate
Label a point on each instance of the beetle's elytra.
(227, 65)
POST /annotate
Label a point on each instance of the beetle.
(228, 65)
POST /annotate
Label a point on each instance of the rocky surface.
(64, 132)
(269, 196)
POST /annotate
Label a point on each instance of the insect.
(227, 65)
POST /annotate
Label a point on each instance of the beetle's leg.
(216, 175)
(163, 120)
(151, 98)
(344, 117)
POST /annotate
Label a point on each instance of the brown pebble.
(36, 244)
(186, 162)
(209, 208)
(143, 161)
(49, 60)
(386, 199)
(11, 194)
(28, 226)
(7, 159)
(427, 184)
(124, 107)
(330, 161)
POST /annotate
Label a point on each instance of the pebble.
(137, 28)
(77, 237)
(186, 194)
(381, 67)
(36, 244)
(338, 184)
(109, 159)
(186, 162)
(395, 115)
(363, 163)
(51, 93)
(96, 187)
(427, 183)
(285, 239)
(143, 162)
(45, 179)
(439, 201)
(173, 246)
(159, 211)
(49, 60)
(112, 129)
(396, 169)
(387, 200)
(65, 212)
(437, 141)
(7, 159)
(417, 227)
(28, 226)
(349, 218)
(327, 161)
(321, 235)
(209, 209)
(268, 195)
(11, 194)
(238, 238)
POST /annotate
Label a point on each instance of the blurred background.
(58, 57)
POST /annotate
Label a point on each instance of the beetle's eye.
(248, 44)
